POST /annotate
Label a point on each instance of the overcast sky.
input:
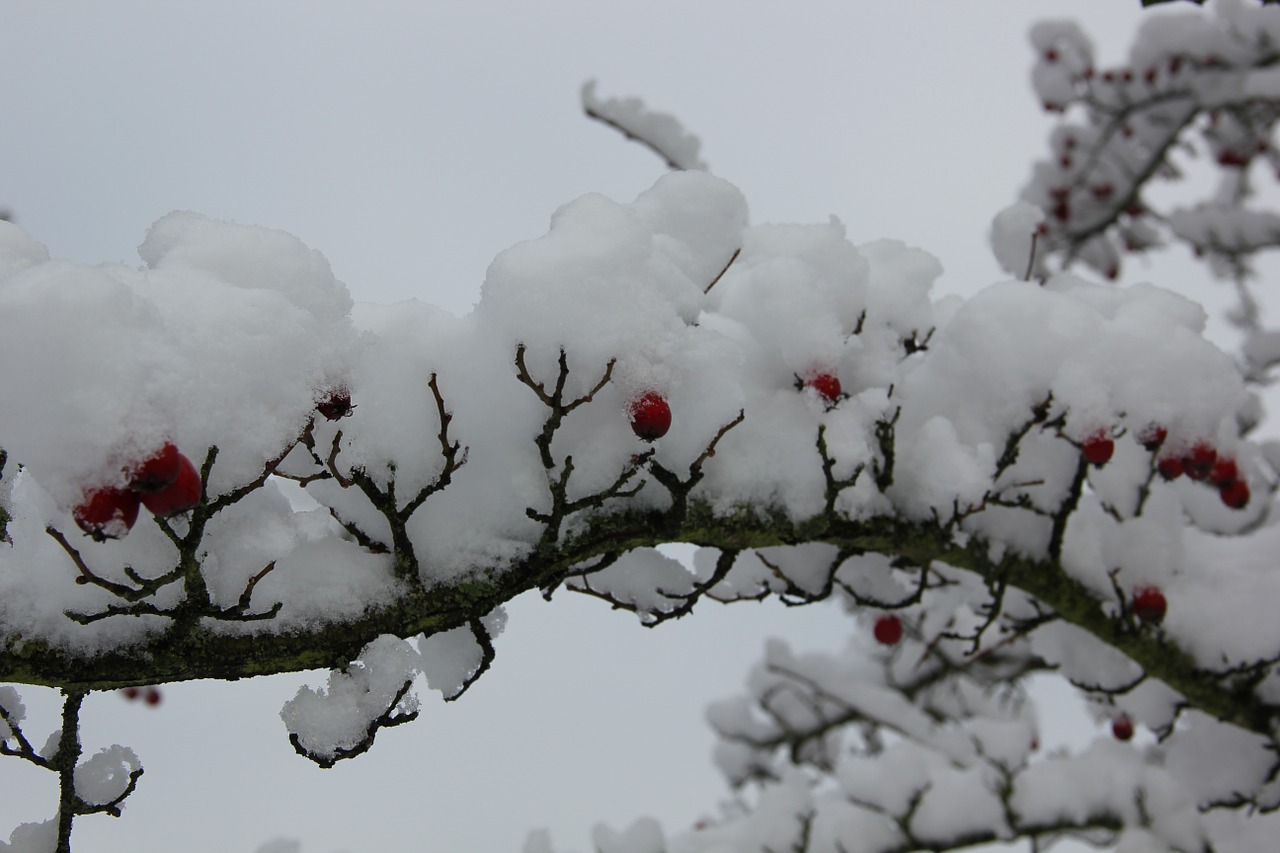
(411, 142)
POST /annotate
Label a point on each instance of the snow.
(334, 720)
(104, 776)
(33, 838)
(662, 130)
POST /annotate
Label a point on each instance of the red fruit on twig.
(888, 630)
(650, 416)
(107, 513)
(131, 693)
(1153, 437)
(826, 384)
(1224, 472)
(1122, 727)
(1149, 604)
(153, 696)
(158, 471)
(1199, 461)
(1098, 447)
(1170, 467)
(180, 496)
(337, 406)
(1235, 494)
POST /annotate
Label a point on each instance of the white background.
(410, 143)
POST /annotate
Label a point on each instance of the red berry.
(131, 693)
(1224, 472)
(338, 406)
(107, 513)
(826, 384)
(1170, 467)
(1233, 159)
(650, 416)
(1152, 437)
(1199, 461)
(1051, 55)
(1149, 604)
(1098, 447)
(1103, 191)
(888, 630)
(1122, 727)
(158, 471)
(153, 696)
(1235, 494)
(181, 496)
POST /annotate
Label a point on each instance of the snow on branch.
(661, 133)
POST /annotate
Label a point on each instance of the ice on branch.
(660, 132)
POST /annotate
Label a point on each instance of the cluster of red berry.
(151, 695)
(1200, 463)
(1203, 464)
(166, 483)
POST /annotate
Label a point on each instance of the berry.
(1233, 159)
(1170, 467)
(1098, 447)
(180, 496)
(1153, 437)
(107, 513)
(1103, 191)
(1199, 461)
(338, 406)
(131, 693)
(153, 696)
(1224, 472)
(826, 384)
(157, 472)
(1235, 494)
(1149, 604)
(1122, 727)
(888, 630)
(650, 416)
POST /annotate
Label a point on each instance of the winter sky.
(411, 142)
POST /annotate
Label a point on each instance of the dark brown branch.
(448, 449)
(720, 274)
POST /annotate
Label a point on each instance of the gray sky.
(410, 142)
